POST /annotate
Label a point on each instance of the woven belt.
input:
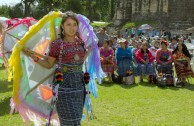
(71, 68)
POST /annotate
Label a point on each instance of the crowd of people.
(131, 55)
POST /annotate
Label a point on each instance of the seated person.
(154, 48)
(124, 59)
(164, 58)
(182, 60)
(173, 45)
(106, 58)
(136, 47)
(145, 60)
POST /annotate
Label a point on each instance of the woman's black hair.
(108, 41)
(145, 43)
(184, 49)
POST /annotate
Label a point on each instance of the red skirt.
(107, 66)
(183, 71)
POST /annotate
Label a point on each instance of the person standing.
(69, 53)
(102, 36)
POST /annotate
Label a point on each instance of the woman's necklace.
(76, 56)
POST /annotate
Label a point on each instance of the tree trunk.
(90, 10)
(112, 8)
(140, 6)
(158, 5)
(149, 5)
(26, 13)
(136, 6)
(161, 6)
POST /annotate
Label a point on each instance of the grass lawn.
(119, 105)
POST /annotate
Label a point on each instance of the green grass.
(119, 105)
(138, 23)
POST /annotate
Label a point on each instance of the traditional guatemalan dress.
(124, 61)
(164, 57)
(182, 71)
(71, 92)
(107, 65)
(145, 69)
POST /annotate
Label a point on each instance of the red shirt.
(140, 56)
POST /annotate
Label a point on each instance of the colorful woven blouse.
(73, 52)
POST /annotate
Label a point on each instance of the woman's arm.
(87, 53)
(158, 53)
(48, 61)
(138, 56)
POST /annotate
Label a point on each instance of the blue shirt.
(122, 54)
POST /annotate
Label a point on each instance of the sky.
(9, 2)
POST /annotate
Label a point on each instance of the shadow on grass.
(167, 87)
(128, 86)
(5, 86)
(5, 108)
(146, 84)
(189, 87)
(107, 84)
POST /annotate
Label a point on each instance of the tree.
(27, 5)
(112, 9)
(75, 6)
(16, 11)
(4, 10)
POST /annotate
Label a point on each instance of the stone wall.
(149, 11)
(122, 13)
(181, 14)
(171, 14)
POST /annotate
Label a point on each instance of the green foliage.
(75, 6)
(100, 9)
(16, 11)
(4, 10)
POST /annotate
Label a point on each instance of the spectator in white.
(102, 36)
(155, 47)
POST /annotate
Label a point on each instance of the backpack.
(116, 78)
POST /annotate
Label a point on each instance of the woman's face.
(157, 44)
(144, 46)
(163, 46)
(105, 44)
(174, 41)
(180, 47)
(122, 44)
(139, 44)
(70, 27)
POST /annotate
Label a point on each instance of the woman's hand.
(147, 61)
(143, 61)
(29, 52)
